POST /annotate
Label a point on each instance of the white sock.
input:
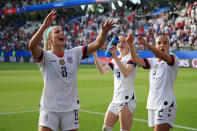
(106, 128)
(123, 130)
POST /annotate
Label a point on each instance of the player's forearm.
(99, 66)
(100, 41)
(34, 46)
(37, 37)
(133, 54)
(162, 55)
(135, 58)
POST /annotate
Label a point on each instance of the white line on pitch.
(99, 113)
(7, 113)
(141, 120)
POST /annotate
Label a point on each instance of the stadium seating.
(181, 30)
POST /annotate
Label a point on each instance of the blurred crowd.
(179, 25)
(5, 4)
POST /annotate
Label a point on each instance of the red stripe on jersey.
(147, 64)
(111, 65)
(110, 59)
(130, 61)
(84, 51)
(39, 59)
(60, 56)
(173, 60)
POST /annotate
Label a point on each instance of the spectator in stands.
(123, 104)
(161, 103)
(185, 23)
(60, 103)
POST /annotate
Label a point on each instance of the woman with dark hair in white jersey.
(161, 103)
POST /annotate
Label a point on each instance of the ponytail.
(46, 35)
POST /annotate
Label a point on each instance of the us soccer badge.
(62, 62)
(156, 66)
(162, 65)
(70, 59)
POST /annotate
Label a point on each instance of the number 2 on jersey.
(64, 71)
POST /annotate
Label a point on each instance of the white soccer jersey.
(123, 87)
(161, 79)
(60, 93)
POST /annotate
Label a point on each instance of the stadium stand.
(179, 24)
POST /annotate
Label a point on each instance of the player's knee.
(123, 130)
(106, 128)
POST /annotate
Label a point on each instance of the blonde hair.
(47, 44)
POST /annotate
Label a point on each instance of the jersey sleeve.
(111, 64)
(40, 59)
(175, 61)
(80, 52)
(147, 61)
(84, 52)
(131, 62)
(43, 59)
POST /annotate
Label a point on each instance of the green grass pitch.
(21, 87)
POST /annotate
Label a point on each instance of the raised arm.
(34, 46)
(99, 42)
(102, 69)
(135, 58)
(158, 53)
(125, 70)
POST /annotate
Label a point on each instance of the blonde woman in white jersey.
(123, 104)
(163, 68)
(60, 103)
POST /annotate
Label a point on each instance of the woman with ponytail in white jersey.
(163, 68)
(59, 103)
(123, 104)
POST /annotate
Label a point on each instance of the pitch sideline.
(98, 113)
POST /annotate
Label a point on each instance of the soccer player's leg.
(164, 119)
(111, 117)
(42, 128)
(162, 127)
(126, 115)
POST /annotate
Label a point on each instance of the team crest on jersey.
(62, 62)
(70, 59)
(156, 66)
(162, 65)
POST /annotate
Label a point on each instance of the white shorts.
(116, 107)
(161, 116)
(59, 120)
